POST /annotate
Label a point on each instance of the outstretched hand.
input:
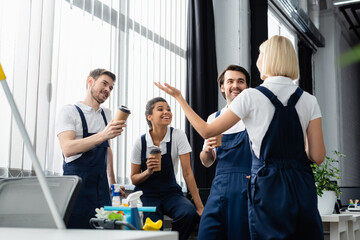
(174, 92)
(196, 121)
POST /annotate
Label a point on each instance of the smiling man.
(225, 212)
(84, 131)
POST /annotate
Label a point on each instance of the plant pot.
(326, 202)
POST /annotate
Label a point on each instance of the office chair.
(23, 204)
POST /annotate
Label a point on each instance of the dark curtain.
(305, 67)
(259, 33)
(202, 88)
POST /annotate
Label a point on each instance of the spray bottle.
(115, 194)
(133, 199)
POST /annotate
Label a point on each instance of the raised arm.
(219, 125)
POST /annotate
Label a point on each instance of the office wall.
(325, 82)
(337, 90)
(349, 102)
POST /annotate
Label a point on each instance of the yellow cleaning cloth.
(2, 74)
(152, 226)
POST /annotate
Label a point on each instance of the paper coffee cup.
(122, 113)
(157, 153)
(218, 140)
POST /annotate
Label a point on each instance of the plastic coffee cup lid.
(125, 109)
(155, 151)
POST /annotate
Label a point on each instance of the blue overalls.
(225, 214)
(94, 191)
(161, 190)
(282, 194)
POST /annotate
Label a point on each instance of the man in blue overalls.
(225, 215)
(84, 131)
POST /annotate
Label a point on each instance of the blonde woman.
(284, 127)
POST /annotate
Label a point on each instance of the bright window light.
(337, 3)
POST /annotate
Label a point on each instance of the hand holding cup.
(156, 153)
(218, 141)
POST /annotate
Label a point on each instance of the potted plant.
(326, 176)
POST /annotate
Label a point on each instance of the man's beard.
(99, 100)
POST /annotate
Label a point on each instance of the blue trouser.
(94, 193)
(176, 206)
(225, 215)
(283, 203)
(226, 212)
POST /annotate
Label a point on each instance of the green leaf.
(325, 174)
(350, 57)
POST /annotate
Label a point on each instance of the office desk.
(337, 226)
(354, 225)
(76, 234)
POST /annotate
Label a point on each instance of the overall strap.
(143, 146)
(168, 144)
(217, 113)
(271, 96)
(103, 115)
(295, 97)
(83, 121)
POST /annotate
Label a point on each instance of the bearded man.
(84, 131)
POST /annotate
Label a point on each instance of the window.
(155, 50)
(84, 39)
(23, 60)
(277, 27)
(47, 49)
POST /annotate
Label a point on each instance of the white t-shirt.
(256, 110)
(179, 146)
(238, 127)
(69, 120)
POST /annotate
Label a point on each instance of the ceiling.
(350, 13)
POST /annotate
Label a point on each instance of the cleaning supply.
(134, 213)
(101, 213)
(126, 209)
(152, 226)
(124, 202)
(116, 216)
(141, 214)
(115, 188)
(141, 209)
